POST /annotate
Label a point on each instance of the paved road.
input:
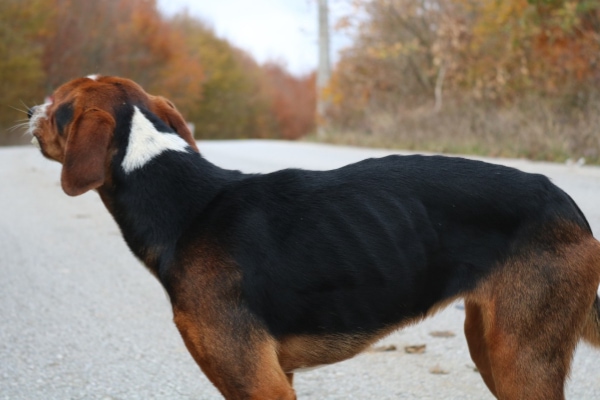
(80, 318)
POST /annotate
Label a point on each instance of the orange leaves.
(118, 37)
(544, 46)
(568, 41)
(241, 99)
(487, 49)
(215, 85)
(293, 101)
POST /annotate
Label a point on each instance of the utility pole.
(324, 71)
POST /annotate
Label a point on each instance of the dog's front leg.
(238, 357)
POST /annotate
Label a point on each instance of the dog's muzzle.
(34, 114)
(36, 143)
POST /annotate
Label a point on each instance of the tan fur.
(240, 369)
(231, 347)
(591, 329)
(85, 155)
(524, 322)
(306, 351)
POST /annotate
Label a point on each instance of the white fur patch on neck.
(146, 142)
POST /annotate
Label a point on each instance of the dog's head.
(76, 126)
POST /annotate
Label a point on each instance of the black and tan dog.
(268, 274)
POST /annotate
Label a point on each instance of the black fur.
(352, 250)
(63, 116)
(154, 204)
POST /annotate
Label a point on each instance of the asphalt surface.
(81, 318)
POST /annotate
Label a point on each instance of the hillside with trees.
(218, 87)
(503, 78)
(516, 78)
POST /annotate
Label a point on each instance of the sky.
(271, 30)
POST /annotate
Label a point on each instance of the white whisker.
(22, 125)
(18, 109)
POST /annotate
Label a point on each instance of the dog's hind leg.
(532, 314)
(474, 331)
(290, 377)
(239, 359)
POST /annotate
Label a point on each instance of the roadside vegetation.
(513, 78)
(218, 87)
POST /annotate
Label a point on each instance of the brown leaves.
(386, 348)
(415, 349)
(293, 100)
(20, 66)
(498, 51)
(435, 361)
(442, 334)
(214, 84)
(119, 37)
(437, 370)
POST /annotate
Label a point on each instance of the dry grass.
(533, 128)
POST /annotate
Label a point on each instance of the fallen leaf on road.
(437, 370)
(443, 334)
(416, 349)
(390, 347)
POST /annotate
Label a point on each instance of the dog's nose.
(30, 111)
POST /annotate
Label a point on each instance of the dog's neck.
(154, 205)
(158, 186)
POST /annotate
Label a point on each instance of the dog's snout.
(30, 111)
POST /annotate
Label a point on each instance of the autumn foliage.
(293, 106)
(219, 88)
(510, 77)
(502, 78)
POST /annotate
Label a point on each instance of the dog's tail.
(591, 330)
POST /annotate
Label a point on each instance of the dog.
(272, 273)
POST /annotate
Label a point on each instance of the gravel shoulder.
(81, 318)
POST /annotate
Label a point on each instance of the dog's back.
(378, 243)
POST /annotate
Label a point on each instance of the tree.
(406, 50)
(232, 105)
(395, 58)
(292, 99)
(20, 66)
(214, 84)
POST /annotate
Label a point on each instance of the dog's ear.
(86, 151)
(166, 111)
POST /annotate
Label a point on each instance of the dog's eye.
(62, 116)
